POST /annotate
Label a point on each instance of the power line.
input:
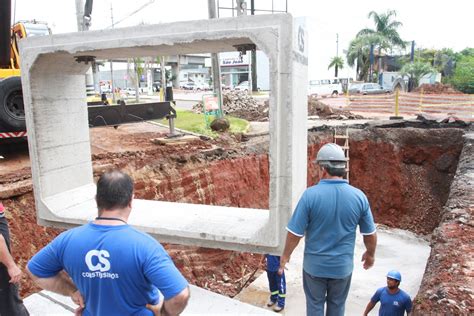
(131, 14)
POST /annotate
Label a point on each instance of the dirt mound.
(437, 88)
(322, 110)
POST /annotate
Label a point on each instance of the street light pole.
(253, 55)
(216, 71)
(82, 26)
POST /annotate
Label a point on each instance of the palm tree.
(416, 70)
(386, 29)
(337, 63)
(358, 53)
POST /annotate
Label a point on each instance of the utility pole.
(337, 44)
(83, 24)
(112, 85)
(253, 55)
(216, 68)
(163, 79)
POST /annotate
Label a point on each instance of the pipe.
(5, 20)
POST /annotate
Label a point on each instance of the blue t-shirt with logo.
(117, 269)
(392, 304)
(327, 215)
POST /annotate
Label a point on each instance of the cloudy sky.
(428, 23)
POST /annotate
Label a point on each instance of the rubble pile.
(437, 88)
(242, 105)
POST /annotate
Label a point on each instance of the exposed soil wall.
(406, 174)
(448, 283)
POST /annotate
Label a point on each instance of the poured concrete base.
(396, 249)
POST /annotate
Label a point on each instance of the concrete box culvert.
(58, 133)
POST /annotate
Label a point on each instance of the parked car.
(197, 86)
(367, 88)
(244, 86)
(128, 92)
(188, 85)
(201, 86)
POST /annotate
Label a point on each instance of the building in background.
(196, 68)
(235, 69)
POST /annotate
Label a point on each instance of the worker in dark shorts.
(10, 274)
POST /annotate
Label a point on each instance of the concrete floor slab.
(396, 249)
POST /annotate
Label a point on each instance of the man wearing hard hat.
(327, 215)
(393, 300)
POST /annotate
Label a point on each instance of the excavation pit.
(414, 177)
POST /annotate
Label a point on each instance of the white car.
(128, 92)
(201, 86)
(244, 86)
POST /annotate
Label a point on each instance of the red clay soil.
(406, 174)
(436, 88)
(448, 284)
(195, 172)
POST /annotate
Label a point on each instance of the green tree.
(386, 29)
(416, 71)
(359, 50)
(463, 77)
(337, 63)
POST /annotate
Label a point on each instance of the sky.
(427, 22)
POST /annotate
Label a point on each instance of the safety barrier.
(402, 103)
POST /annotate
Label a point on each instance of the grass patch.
(192, 122)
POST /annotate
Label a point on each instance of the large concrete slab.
(58, 136)
(396, 249)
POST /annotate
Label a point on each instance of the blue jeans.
(318, 291)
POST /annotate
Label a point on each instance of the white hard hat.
(331, 155)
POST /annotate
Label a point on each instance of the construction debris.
(437, 88)
(324, 111)
(242, 105)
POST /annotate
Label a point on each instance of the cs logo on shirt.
(102, 264)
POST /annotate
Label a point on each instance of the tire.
(334, 94)
(12, 108)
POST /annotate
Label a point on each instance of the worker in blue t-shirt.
(327, 215)
(115, 269)
(276, 283)
(393, 301)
